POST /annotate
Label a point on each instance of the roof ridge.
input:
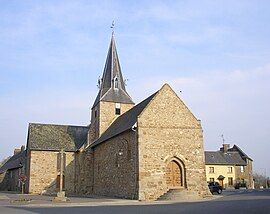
(56, 137)
(124, 121)
(53, 124)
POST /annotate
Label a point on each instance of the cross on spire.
(113, 27)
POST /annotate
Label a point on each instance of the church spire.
(112, 85)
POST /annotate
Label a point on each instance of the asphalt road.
(243, 201)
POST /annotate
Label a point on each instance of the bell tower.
(112, 99)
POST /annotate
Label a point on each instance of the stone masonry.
(136, 152)
(43, 172)
(116, 167)
(102, 116)
(168, 131)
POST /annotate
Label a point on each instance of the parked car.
(215, 187)
(240, 185)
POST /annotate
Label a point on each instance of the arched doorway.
(174, 175)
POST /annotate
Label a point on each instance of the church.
(141, 151)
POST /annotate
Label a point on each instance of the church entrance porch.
(174, 175)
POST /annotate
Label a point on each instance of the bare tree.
(261, 180)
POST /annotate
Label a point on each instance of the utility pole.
(266, 184)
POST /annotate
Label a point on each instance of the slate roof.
(221, 158)
(124, 122)
(16, 161)
(56, 137)
(237, 149)
(112, 70)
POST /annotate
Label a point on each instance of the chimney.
(225, 147)
(16, 151)
(22, 148)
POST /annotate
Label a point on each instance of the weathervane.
(112, 27)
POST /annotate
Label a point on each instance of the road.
(241, 201)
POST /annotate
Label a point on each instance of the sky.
(214, 54)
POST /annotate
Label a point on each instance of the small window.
(117, 108)
(242, 168)
(211, 179)
(229, 169)
(211, 169)
(117, 111)
(95, 113)
(230, 181)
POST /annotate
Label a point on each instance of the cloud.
(234, 103)
(53, 52)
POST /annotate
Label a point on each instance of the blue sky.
(216, 52)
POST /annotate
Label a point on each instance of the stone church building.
(129, 151)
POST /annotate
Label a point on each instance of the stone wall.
(9, 180)
(247, 175)
(115, 167)
(43, 172)
(168, 131)
(84, 172)
(94, 126)
(3, 180)
(104, 116)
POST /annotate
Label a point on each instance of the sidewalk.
(15, 199)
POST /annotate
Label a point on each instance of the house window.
(212, 179)
(117, 108)
(230, 181)
(229, 169)
(242, 168)
(95, 113)
(211, 169)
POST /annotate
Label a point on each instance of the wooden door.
(221, 183)
(173, 175)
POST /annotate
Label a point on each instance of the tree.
(261, 180)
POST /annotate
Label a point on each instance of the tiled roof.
(221, 158)
(16, 161)
(56, 137)
(124, 122)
